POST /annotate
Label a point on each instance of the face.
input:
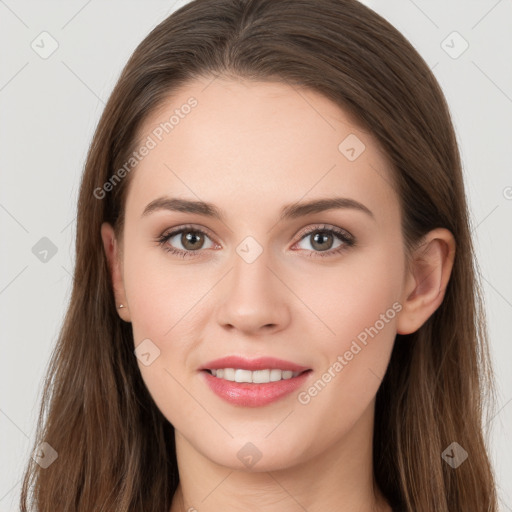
(318, 288)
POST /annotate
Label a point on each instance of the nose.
(253, 298)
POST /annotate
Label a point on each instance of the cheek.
(163, 299)
(167, 306)
(162, 294)
(360, 305)
(362, 312)
(356, 295)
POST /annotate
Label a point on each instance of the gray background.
(50, 106)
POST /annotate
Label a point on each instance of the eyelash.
(347, 239)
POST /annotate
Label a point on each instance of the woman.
(274, 304)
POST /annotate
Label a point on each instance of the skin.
(250, 148)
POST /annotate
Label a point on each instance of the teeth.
(275, 375)
(257, 376)
(229, 374)
(243, 376)
(261, 376)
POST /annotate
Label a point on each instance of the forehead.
(252, 146)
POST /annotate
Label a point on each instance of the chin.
(257, 456)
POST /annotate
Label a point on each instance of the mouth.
(253, 383)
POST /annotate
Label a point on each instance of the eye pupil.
(189, 237)
(322, 235)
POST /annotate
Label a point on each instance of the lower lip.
(247, 394)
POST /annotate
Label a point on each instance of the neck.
(339, 479)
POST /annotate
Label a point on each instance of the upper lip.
(260, 363)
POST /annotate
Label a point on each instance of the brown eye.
(185, 241)
(322, 241)
(192, 240)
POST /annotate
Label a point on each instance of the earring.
(121, 306)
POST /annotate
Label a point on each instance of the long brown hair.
(115, 448)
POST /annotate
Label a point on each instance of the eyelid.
(190, 227)
(327, 227)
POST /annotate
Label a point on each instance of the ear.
(426, 280)
(111, 246)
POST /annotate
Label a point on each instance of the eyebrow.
(290, 211)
